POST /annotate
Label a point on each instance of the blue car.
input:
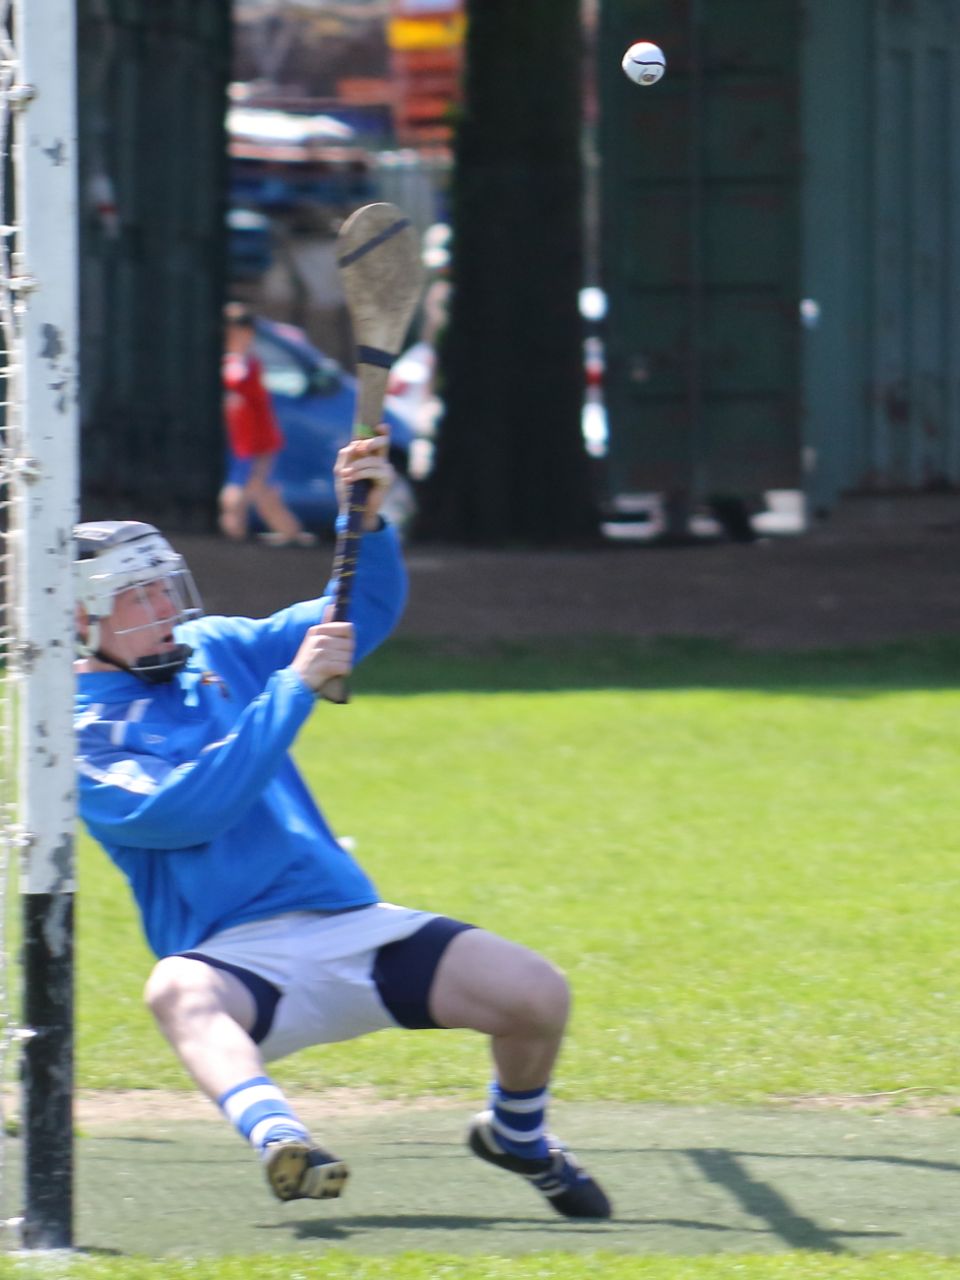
(313, 398)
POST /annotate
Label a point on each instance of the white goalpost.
(38, 507)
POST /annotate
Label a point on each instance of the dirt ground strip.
(102, 1108)
(96, 1108)
(879, 569)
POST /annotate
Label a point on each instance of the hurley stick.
(378, 256)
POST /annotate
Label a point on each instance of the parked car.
(411, 387)
(282, 160)
(314, 398)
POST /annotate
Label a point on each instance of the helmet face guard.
(117, 556)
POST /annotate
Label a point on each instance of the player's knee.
(169, 990)
(542, 999)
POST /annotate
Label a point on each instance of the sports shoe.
(558, 1177)
(297, 1171)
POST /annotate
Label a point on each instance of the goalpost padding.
(39, 318)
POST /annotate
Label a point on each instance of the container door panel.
(913, 428)
(699, 247)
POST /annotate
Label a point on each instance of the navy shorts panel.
(403, 971)
(266, 996)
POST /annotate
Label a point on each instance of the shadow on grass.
(904, 1162)
(344, 1228)
(762, 1200)
(409, 667)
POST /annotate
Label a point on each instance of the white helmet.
(115, 555)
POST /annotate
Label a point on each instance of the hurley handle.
(349, 533)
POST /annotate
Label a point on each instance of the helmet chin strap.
(155, 668)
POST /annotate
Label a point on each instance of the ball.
(644, 63)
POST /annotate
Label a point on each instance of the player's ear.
(81, 621)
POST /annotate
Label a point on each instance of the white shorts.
(318, 978)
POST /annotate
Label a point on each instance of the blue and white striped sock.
(260, 1113)
(519, 1120)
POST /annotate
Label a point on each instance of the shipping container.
(778, 245)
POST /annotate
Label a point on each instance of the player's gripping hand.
(365, 460)
(326, 651)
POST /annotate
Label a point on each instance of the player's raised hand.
(326, 651)
(365, 460)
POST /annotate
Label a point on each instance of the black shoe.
(298, 1171)
(558, 1177)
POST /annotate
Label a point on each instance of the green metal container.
(779, 246)
(700, 248)
(881, 119)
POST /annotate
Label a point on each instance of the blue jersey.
(189, 785)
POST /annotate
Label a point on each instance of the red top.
(251, 425)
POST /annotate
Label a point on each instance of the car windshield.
(283, 373)
(326, 377)
(286, 374)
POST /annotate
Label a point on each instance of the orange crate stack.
(426, 43)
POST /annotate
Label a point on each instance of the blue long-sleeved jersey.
(189, 786)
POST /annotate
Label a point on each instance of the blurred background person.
(254, 439)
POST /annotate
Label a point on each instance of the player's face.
(142, 620)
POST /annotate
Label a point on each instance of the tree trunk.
(510, 464)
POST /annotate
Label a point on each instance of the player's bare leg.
(509, 993)
(522, 1002)
(206, 1014)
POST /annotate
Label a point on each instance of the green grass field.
(747, 864)
(541, 1266)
